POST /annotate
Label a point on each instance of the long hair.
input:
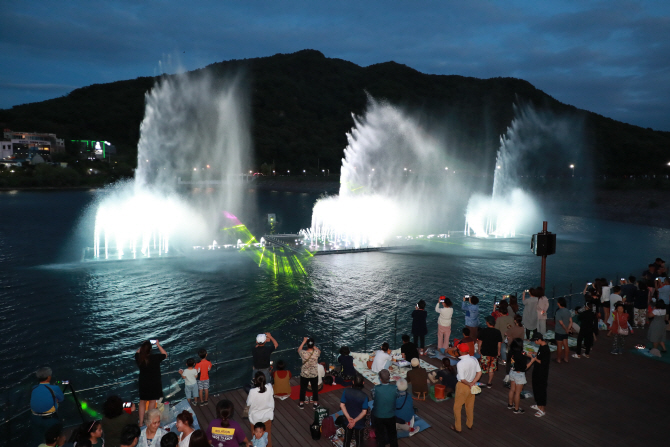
(198, 439)
(259, 381)
(145, 350)
(225, 410)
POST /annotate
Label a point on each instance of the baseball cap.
(463, 348)
(260, 338)
(415, 362)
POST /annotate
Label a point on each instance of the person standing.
(541, 375)
(469, 373)
(517, 375)
(641, 304)
(383, 410)
(419, 327)
(656, 333)
(489, 341)
(562, 329)
(529, 311)
(261, 354)
(471, 307)
(354, 405)
(588, 321)
(261, 405)
(150, 384)
(619, 328)
(443, 307)
(44, 401)
(309, 371)
(542, 309)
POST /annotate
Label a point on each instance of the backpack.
(328, 427)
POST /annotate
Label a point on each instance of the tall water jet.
(194, 132)
(536, 145)
(393, 182)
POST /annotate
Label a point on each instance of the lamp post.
(573, 169)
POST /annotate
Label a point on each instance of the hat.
(490, 320)
(401, 384)
(464, 348)
(474, 389)
(260, 338)
(384, 375)
(537, 336)
(415, 362)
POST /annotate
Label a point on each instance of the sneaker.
(411, 423)
(506, 379)
(414, 430)
(510, 407)
(489, 385)
(519, 411)
(586, 356)
(301, 406)
(576, 356)
(614, 353)
(316, 405)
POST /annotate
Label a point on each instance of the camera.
(63, 382)
(153, 342)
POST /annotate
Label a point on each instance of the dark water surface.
(86, 321)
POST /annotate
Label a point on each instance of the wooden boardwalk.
(607, 400)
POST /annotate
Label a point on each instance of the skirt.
(656, 332)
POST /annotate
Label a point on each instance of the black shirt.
(641, 299)
(628, 291)
(520, 361)
(490, 338)
(261, 355)
(541, 370)
(419, 326)
(410, 351)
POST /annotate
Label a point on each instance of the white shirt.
(379, 363)
(606, 294)
(186, 441)
(445, 314)
(467, 368)
(613, 299)
(261, 405)
(658, 312)
(190, 376)
(322, 374)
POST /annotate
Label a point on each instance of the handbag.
(621, 329)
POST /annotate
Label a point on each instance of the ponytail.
(225, 410)
(259, 381)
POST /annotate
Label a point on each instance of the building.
(95, 150)
(37, 142)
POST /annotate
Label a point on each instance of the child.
(203, 367)
(190, 377)
(260, 438)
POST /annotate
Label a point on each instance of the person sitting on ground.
(418, 377)
(419, 327)
(471, 307)
(185, 427)
(354, 406)
(404, 409)
(261, 353)
(383, 410)
(232, 434)
(259, 435)
(489, 342)
(115, 419)
(382, 359)
(443, 307)
(347, 370)
(282, 385)
(152, 433)
(54, 436)
(467, 339)
(130, 435)
(656, 333)
(446, 375)
(44, 401)
(408, 349)
(261, 404)
(529, 311)
(170, 440)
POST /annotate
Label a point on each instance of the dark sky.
(611, 57)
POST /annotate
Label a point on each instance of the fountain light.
(207, 166)
(446, 168)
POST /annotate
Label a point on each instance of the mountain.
(301, 106)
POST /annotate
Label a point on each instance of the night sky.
(610, 57)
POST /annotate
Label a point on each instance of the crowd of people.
(614, 309)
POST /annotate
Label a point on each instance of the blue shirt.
(404, 407)
(384, 396)
(355, 401)
(42, 401)
(471, 314)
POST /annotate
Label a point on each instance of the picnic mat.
(665, 357)
(418, 422)
(396, 373)
(530, 346)
(295, 390)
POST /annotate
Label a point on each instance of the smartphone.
(467, 296)
(127, 404)
(441, 300)
(153, 342)
(271, 362)
(623, 279)
(589, 283)
(497, 303)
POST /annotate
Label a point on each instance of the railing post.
(570, 288)
(365, 333)
(395, 330)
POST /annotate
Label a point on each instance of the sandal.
(539, 414)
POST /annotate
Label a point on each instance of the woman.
(151, 434)
(150, 385)
(656, 333)
(517, 376)
(309, 371)
(282, 380)
(199, 439)
(404, 408)
(619, 328)
(513, 304)
(529, 312)
(500, 309)
(419, 327)
(261, 405)
(354, 405)
(232, 436)
(185, 427)
(516, 331)
(542, 308)
(443, 307)
(562, 329)
(90, 432)
(346, 361)
(114, 420)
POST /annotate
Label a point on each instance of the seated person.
(453, 352)
(418, 377)
(446, 376)
(404, 408)
(382, 358)
(408, 349)
(347, 372)
(282, 380)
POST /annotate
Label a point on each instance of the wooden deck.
(607, 400)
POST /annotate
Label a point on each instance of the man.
(454, 352)
(650, 274)
(661, 270)
(489, 342)
(469, 373)
(471, 307)
(408, 349)
(615, 297)
(382, 359)
(130, 435)
(418, 377)
(44, 401)
(562, 328)
(628, 291)
(540, 375)
(261, 354)
(664, 290)
(383, 410)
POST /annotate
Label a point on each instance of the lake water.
(86, 321)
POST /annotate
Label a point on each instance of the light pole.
(573, 169)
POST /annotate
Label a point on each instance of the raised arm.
(271, 338)
(304, 340)
(160, 348)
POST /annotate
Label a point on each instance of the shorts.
(203, 384)
(517, 377)
(561, 337)
(191, 391)
(488, 364)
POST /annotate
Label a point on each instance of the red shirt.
(203, 368)
(619, 320)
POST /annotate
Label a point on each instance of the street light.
(573, 169)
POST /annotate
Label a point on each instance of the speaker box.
(543, 244)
